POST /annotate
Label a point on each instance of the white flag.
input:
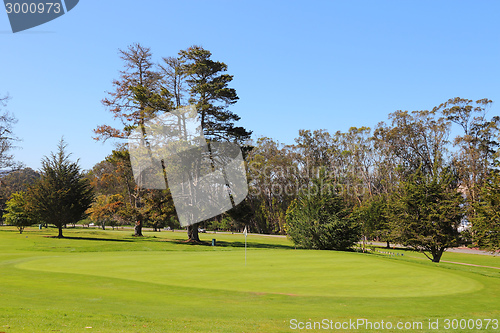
(245, 231)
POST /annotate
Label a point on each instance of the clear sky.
(296, 64)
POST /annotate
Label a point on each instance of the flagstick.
(245, 232)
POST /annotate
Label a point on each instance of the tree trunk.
(60, 232)
(388, 245)
(436, 254)
(138, 228)
(192, 231)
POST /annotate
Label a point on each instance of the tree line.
(406, 181)
(426, 179)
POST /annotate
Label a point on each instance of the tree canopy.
(7, 137)
(425, 212)
(63, 194)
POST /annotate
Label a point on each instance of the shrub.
(320, 220)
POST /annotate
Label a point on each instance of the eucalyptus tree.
(274, 181)
(414, 141)
(477, 144)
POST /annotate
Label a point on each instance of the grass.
(109, 281)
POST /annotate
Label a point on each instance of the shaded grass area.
(234, 244)
(93, 239)
(46, 240)
(161, 284)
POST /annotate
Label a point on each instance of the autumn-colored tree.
(105, 208)
(114, 176)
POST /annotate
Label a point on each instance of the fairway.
(108, 281)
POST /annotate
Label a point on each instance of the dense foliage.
(62, 195)
(425, 212)
(146, 90)
(487, 220)
(18, 212)
(320, 220)
(16, 181)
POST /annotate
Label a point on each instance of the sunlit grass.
(113, 282)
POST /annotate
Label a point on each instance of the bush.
(321, 221)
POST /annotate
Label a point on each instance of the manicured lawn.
(108, 281)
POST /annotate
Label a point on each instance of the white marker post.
(245, 233)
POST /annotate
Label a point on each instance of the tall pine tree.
(63, 194)
(210, 94)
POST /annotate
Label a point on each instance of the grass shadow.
(254, 245)
(91, 239)
(236, 244)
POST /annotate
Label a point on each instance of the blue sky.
(296, 64)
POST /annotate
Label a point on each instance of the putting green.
(301, 273)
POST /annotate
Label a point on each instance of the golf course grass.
(109, 281)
